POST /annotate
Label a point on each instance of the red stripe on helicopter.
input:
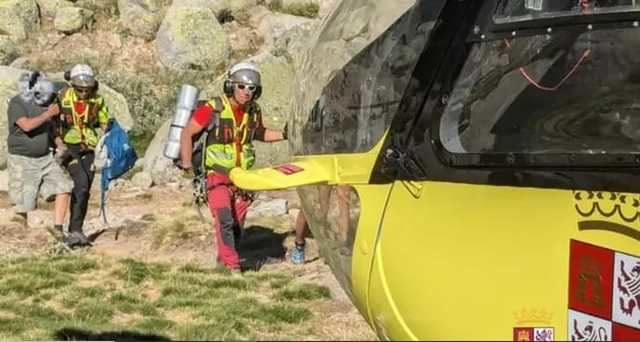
(288, 169)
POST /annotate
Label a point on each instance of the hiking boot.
(297, 255)
(76, 239)
(57, 233)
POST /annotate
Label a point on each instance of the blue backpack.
(117, 157)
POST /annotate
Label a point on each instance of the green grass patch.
(9, 327)
(36, 313)
(135, 272)
(128, 302)
(304, 292)
(41, 299)
(224, 331)
(283, 313)
(153, 324)
(279, 283)
(191, 268)
(73, 296)
(73, 264)
(94, 312)
(28, 284)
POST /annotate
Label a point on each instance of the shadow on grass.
(259, 246)
(77, 335)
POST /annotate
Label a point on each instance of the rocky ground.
(161, 225)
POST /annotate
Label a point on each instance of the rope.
(531, 81)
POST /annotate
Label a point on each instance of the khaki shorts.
(30, 176)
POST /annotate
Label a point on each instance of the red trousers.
(229, 210)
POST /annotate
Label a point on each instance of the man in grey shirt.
(32, 167)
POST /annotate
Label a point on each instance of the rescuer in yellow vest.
(82, 112)
(233, 121)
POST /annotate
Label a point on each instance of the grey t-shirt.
(36, 143)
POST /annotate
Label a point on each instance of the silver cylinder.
(187, 99)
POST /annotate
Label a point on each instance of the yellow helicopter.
(473, 172)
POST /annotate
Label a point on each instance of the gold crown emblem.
(533, 316)
(607, 205)
(612, 211)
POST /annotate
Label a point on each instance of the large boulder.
(142, 180)
(18, 18)
(327, 7)
(267, 207)
(8, 88)
(282, 32)
(279, 92)
(190, 37)
(72, 19)
(118, 106)
(141, 17)
(48, 8)
(4, 180)
(156, 164)
(8, 50)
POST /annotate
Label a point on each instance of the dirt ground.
(162, 225)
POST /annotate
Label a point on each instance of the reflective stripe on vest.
(80, 127)
(229, 143)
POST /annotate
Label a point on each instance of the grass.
(80, 297)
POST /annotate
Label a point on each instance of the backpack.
(114, 156)
(198, 153)
(200, 141)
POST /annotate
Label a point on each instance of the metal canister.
(187, 99)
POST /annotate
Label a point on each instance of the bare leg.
(343, 196)
(297, 253)
(301, 223)
(61, 205)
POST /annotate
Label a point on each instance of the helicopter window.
(356, 107)
(570, 92)
(521, 10)
(333, 213)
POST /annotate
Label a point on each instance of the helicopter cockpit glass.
(523, 10)
(571, 91)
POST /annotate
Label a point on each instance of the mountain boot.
(76, 239)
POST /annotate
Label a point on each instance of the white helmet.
(244, 72)
(82, 75)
